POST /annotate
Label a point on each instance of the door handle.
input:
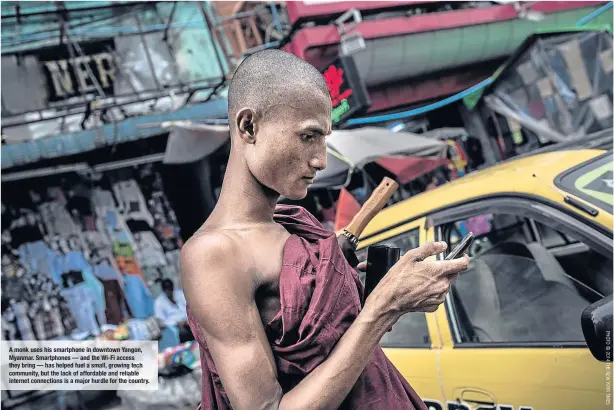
(477, 397)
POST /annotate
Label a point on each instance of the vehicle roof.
(532, 174)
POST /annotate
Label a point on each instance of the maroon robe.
(320, 298)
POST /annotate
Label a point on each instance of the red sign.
(347, 92)
(334, 80)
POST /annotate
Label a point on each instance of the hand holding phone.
(462, 247)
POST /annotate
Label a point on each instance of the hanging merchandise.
(139, 297)
(80, 253)
(157, 248)
(131, 201)
(16, 314)
(89, 289)
(121, 241)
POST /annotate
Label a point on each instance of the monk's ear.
(247, 125)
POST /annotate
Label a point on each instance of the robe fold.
(320, 298)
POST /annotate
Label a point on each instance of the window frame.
(590, 165)
(526, 206)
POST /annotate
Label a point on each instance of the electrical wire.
(14, 39)
(594, 14)
(421, 110)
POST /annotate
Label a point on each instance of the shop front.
(92, 216)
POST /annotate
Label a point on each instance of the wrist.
(377, 312)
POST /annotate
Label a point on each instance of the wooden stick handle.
(374, 204)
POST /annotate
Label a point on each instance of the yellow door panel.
(419, 368)
(540, 379)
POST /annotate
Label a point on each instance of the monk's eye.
(307, 137)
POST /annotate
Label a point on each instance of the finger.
(429, 249)
(444, 286)
(362, 266)
(452, 267)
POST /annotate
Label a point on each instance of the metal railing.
(72, 28)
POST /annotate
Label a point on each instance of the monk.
(271, 300)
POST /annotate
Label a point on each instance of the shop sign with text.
(78, 72)
(347, 90)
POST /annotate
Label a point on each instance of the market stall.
(179, 382)
(83, 255)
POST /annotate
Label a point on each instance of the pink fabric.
(320, 298)
(407, 169)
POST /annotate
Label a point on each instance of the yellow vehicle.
(509, 335)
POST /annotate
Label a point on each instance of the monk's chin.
(296, 194)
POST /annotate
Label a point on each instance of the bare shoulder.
(215, 255)
(217, 280)
(207, 249)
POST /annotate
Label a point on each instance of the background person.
(170, 307)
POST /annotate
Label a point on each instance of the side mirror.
(597, 329)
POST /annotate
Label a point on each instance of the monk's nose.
(318, 162)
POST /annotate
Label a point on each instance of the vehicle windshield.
(591, 181)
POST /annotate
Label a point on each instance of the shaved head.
(279, 112)
(267, 81)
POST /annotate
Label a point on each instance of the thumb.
(362, 266)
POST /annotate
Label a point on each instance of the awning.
(445, 133)
(109, 134)
(192, 142)
(409, 168)
(363, 145)
(352, 149)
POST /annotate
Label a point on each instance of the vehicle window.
(591, 181)
(489, 230)
(406, 241)
(517, 288)
(590, 270)
(411, 330)
(551, 238)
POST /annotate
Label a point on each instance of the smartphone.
(462, 247)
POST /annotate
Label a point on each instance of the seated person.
(170, 308)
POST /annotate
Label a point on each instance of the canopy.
(350, 149)
(408, 169)
(189, 142)
(445, 133)
(363, 145)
